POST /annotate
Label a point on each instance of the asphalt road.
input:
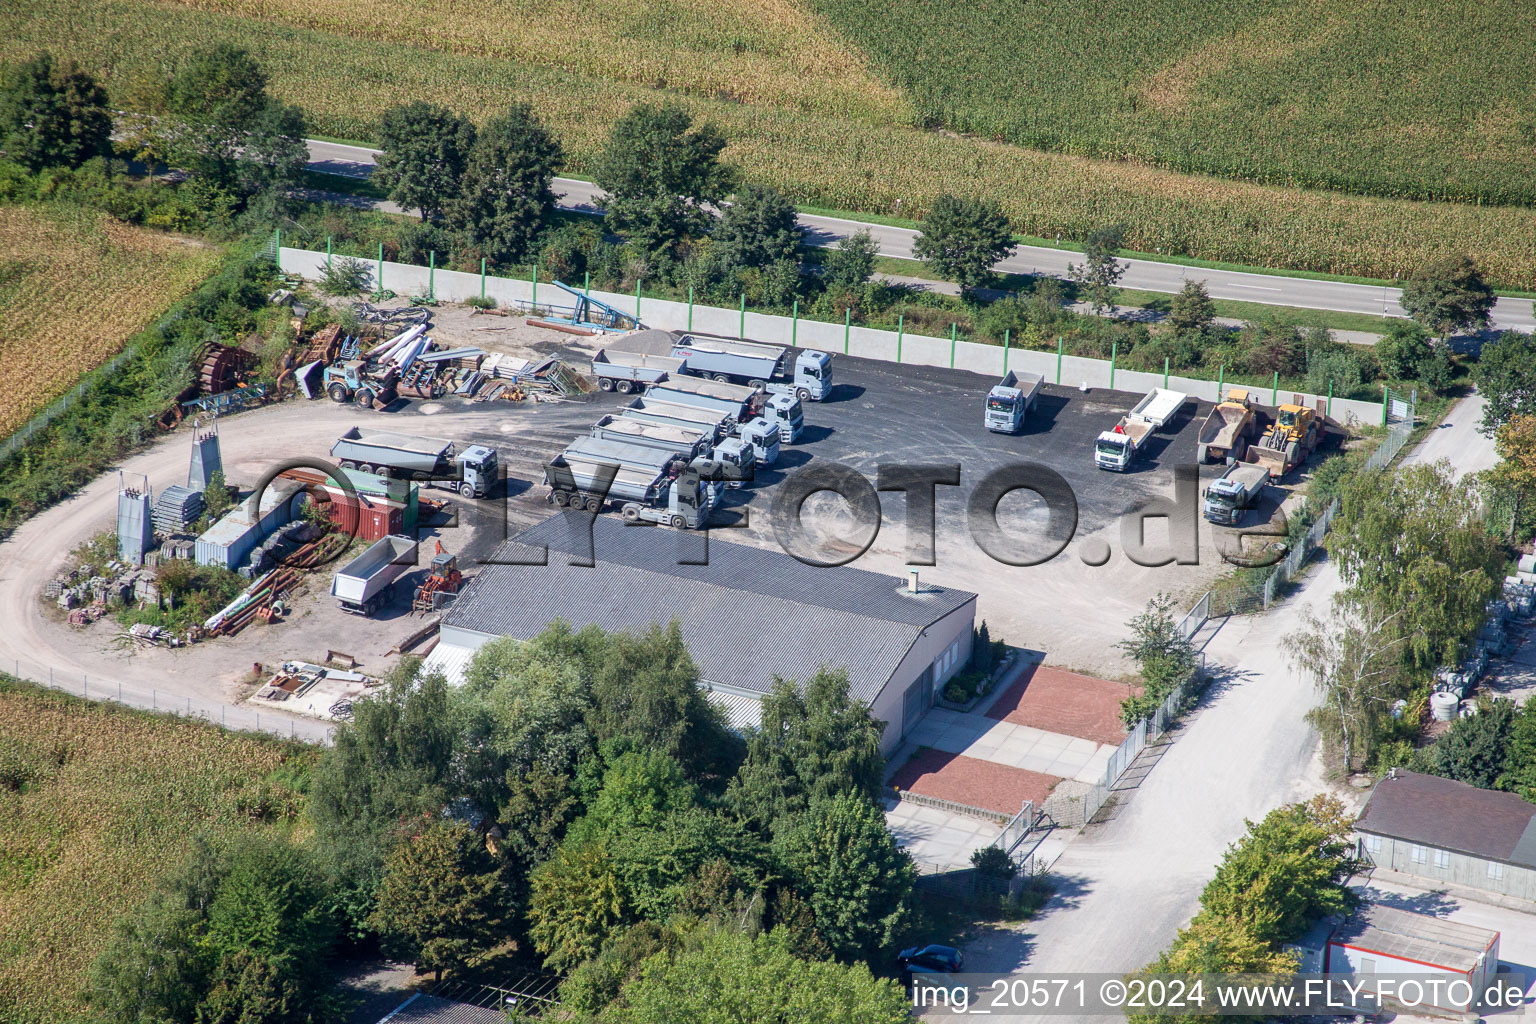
(579, 196)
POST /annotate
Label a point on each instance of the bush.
(1334, 369)
(479, 302)
(345, 275)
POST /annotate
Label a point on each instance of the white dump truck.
(1227, 498)
(363, 583)
(429, 461)
(627, 372)
(1117, 448)
(1009, 401)
(646, 485)
(757, 364)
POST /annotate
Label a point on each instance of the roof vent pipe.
(912, 586)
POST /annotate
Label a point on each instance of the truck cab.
(763, 438)
(786, 413)
(478, 466)
(813, 375)
(737, 458)
(1004, 410)
(1116, 449)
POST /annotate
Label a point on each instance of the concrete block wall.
(452, 286)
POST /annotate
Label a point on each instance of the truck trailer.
(1117, 448)
(1158, 407)
(677, 493)
(627, 372)
(428, 461)
(766, 367)
(695, 441)
(1227, 498)
(363, 583)
(763, 436)
(737, 401)
(1010, 400)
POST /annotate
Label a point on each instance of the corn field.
(830, 135)
(74, 286)
(87, 821)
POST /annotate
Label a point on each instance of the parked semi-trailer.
(627, 372)
(671, 490)
(694, 442)
(1010, 400)
(429, 461)
(768, 367)
(737, 401)
(363, 583)
(1117, 448)
(757, 433)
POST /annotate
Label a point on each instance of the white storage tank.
(1443, 705)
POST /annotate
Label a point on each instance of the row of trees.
(1288, 871)
(578, 802)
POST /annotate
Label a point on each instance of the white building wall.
(1448, 866)
(938, 638)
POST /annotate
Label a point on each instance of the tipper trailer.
(627, 372)
(429, 461)
(676, 492)
(737, 401)
(759, 433)
(1010, 400)
(694, 442)
(1159, 406)
(1227, 498)
(1228, 429)
(363, 584)
(1117, 448)
(757, 364)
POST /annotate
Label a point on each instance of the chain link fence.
(238, 717)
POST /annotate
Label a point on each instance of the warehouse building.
(1450, 832)
(748, 616)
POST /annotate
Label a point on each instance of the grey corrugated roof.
(424, 1009)
(1450, 815)
(748, 615)
(1427, 940)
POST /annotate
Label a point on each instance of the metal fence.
(1075, 811)
(41, 420)
(238, 717)
(1018, 828)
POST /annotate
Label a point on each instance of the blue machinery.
(589, 314)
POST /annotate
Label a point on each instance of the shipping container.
(229, 542)
(1380, 942)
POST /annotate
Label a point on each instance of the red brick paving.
(972, 781)
(1063, 702)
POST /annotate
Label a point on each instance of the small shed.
(1382, 941)
(229, 542)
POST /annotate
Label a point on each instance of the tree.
(1413, 542)
(271, 901)
(722, 976)
(814, 743)
(1519, 771)
(505, 197)
(1505, 375)
(425, 152)
(1475, 750)
(659, 171)
(1405, 351)
(758, 228)
(1099, 272)
(1192, 309)
(852, 263)
(963, 238)
(53, 116)
(1272, 345)
(1214, 945)
(441, 900)
(1514, 478)
(274, 156)
(153, 968)
(841, 858)
(1447, 295)
(1352, 660)
(1162, 651)
(1288, 871)
(246, 989)
(577, 903)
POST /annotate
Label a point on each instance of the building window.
(1418, 853)
(1373, 843)
(1495, 870)
(1442, 858)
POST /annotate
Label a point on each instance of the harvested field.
(1063, 702)
(87, 821)
(972, 781)
(74, 286)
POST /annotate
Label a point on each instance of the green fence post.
(952, 345)
(1007, 336)
(1114, 350)
(1329, 410)
(637, 303)
(794, 324)
(482, 278)
(1221, 377)
(1058, 359)
(901, 329)
(432, 274)
(381, 268)
(1165, 371)
(327, 252)
(1386, 400)
(741, 329)
(1274, 390)
(847, 325)
(278, 248)
(535, 299)
(690, 307)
